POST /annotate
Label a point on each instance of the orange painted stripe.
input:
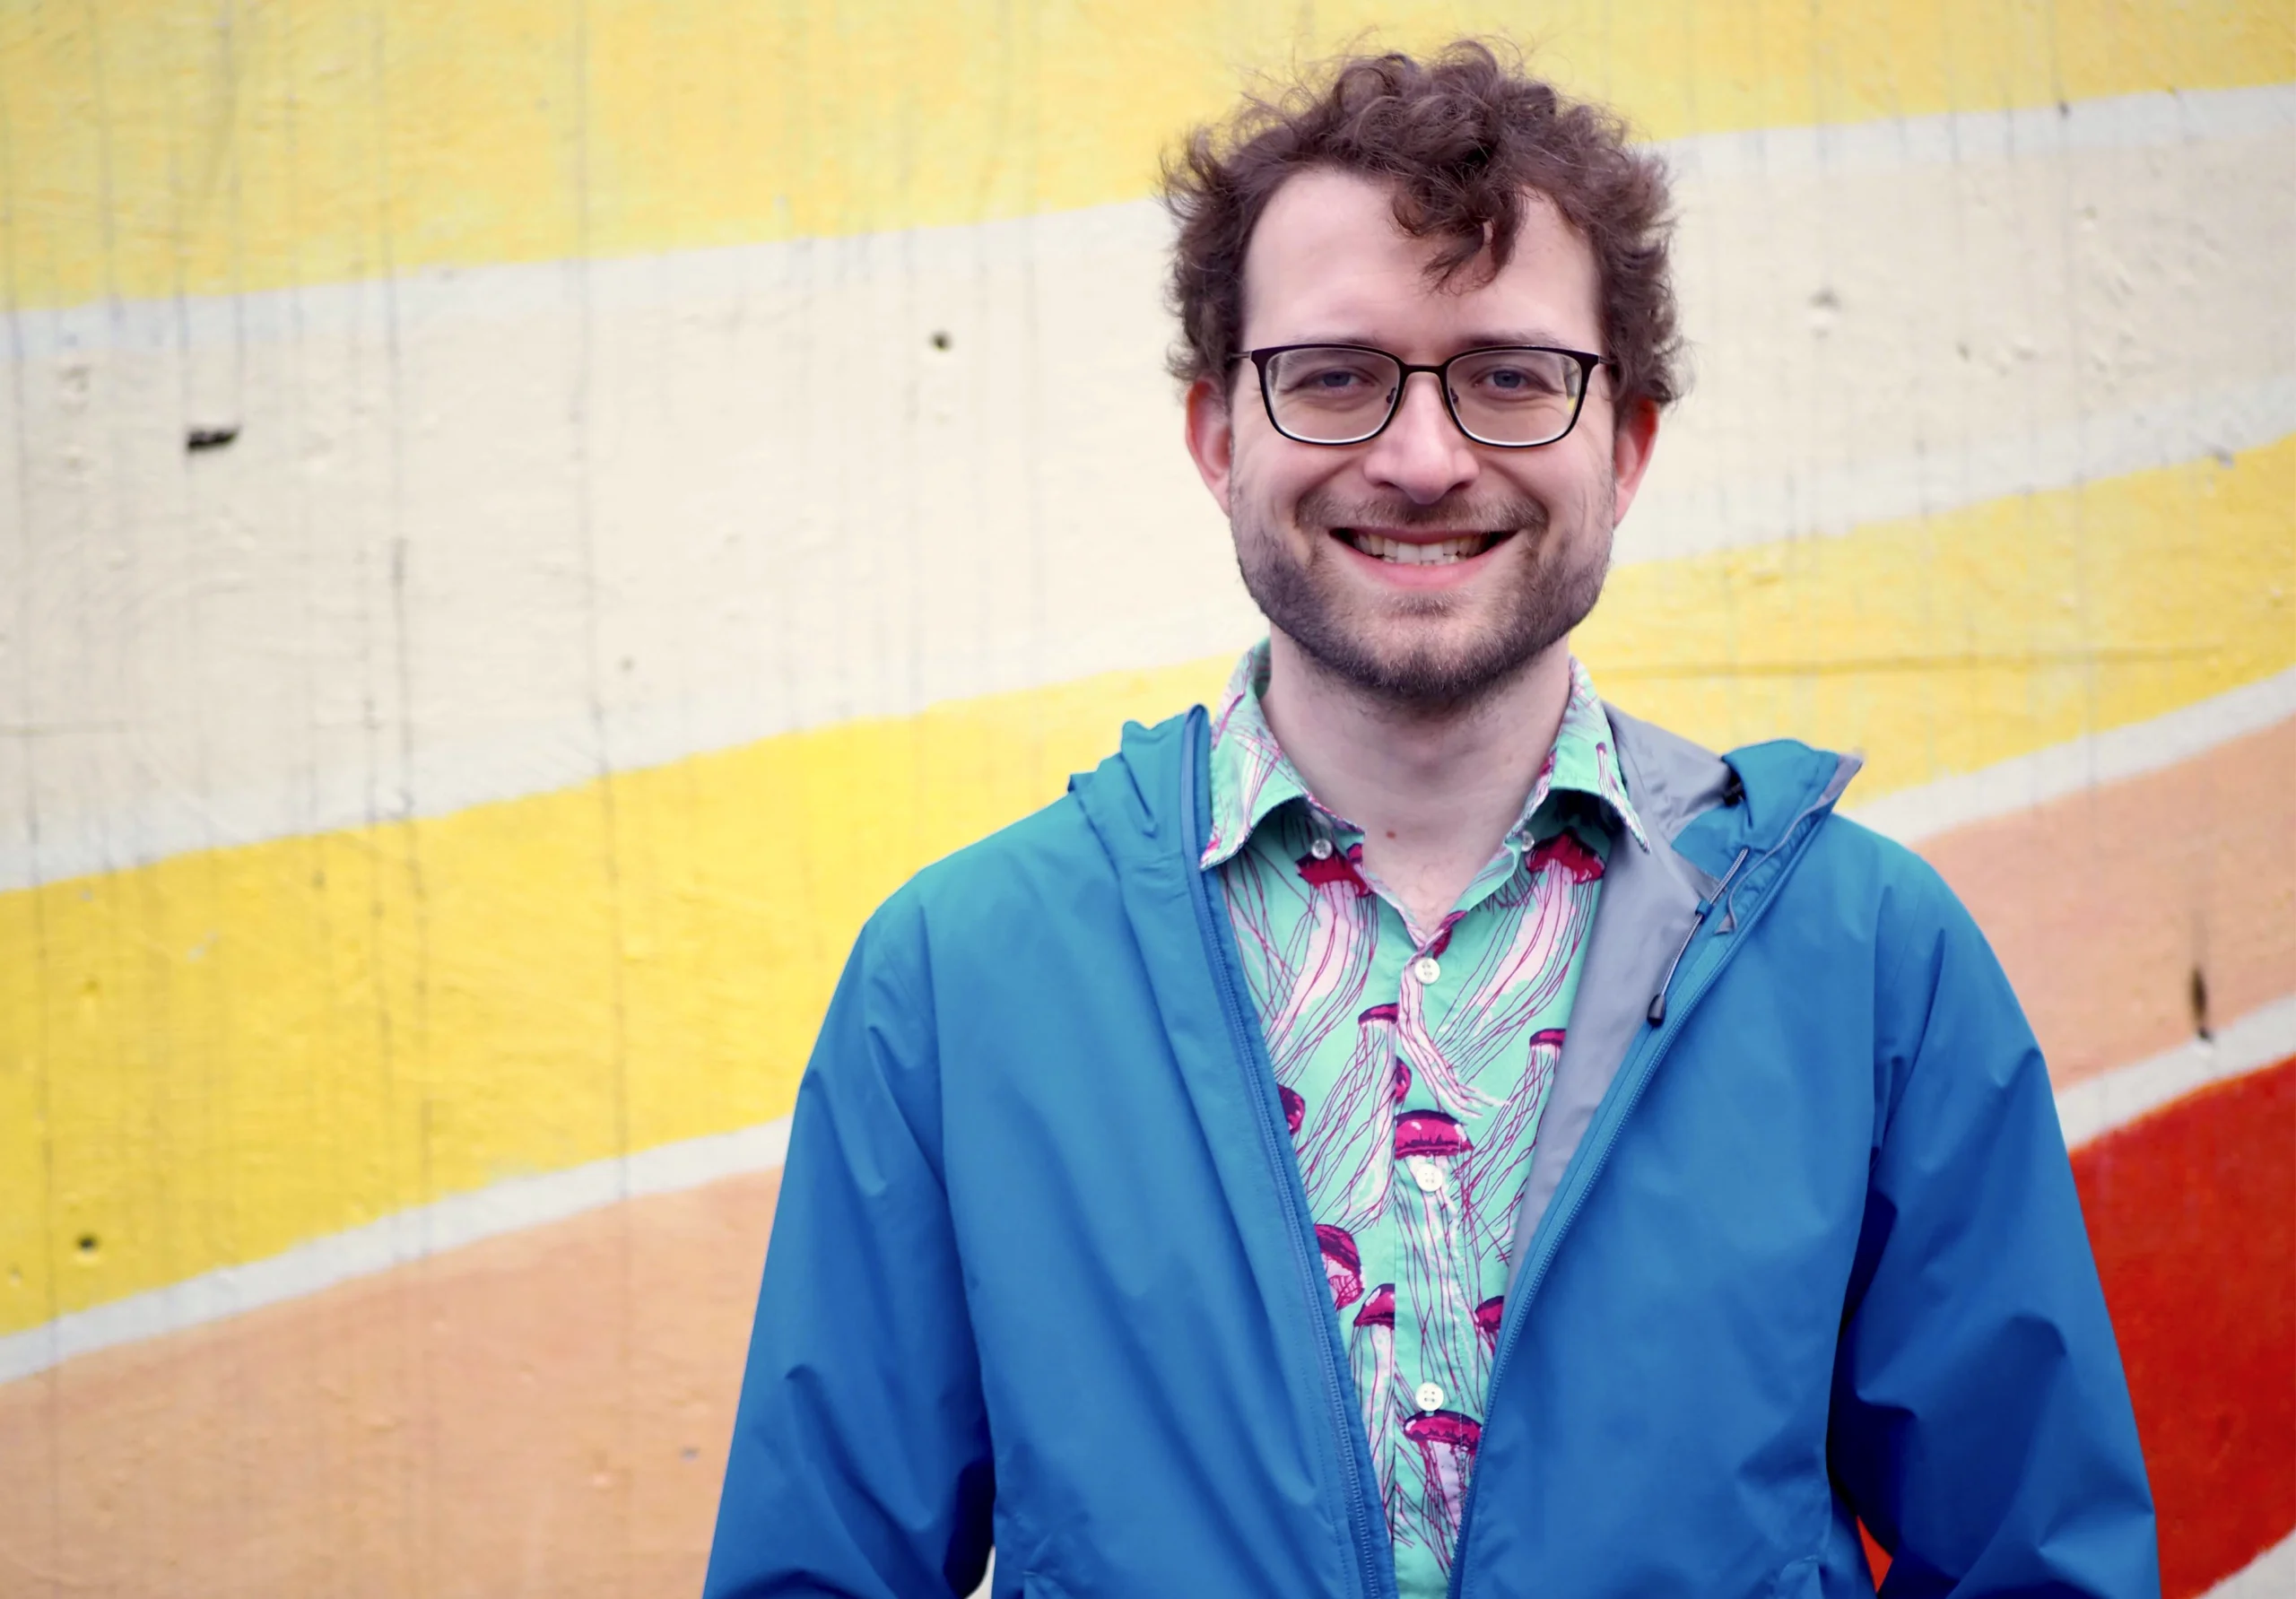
(2193, 1216)
(2104, 905)
(546, 1414)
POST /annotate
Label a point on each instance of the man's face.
(1419, 567)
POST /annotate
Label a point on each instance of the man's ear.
(1211, 428)
(1632, 438)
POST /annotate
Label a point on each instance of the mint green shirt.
(1414, 1063)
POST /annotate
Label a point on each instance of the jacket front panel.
(1689, 1316)
(1147, 1334)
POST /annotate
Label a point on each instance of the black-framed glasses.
(1511, 396)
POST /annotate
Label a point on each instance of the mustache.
(1322, 508)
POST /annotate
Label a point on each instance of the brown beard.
(1547, 601)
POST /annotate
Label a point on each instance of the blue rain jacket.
(1799, 1245)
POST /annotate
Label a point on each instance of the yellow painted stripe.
(213, 1057)
(150, 147)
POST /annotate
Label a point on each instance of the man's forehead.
(1328, 247)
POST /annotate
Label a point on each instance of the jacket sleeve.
(860, 1463)
(1981, 1422)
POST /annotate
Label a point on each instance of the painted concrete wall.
(688, 464)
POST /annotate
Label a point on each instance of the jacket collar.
(1706, 806)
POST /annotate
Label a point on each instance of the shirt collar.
(1251, 776)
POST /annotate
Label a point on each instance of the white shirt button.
(1425, 1173)
(1427, 968)
(1320, 849)
(1430, 1397)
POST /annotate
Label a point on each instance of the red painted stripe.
(2192, 1213)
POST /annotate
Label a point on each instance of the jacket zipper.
(1250, 1054)
(1666, 1028)
(1657, 1013)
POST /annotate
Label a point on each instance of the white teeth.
(1442, 552)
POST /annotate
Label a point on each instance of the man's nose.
(1422, 453)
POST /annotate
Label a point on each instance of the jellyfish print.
(1307, 950)
(1491, 1179)
(1518, 980)
(1446, 1441)
(1343, 1267)
(1344, 1157)
(1295, 1109)
(1440, 1277)
(1328, 961)
(1429, 1063)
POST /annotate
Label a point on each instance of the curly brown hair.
(1462, 134)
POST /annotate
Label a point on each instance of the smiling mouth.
(1446, 551)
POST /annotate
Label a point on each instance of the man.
(1418, 1129)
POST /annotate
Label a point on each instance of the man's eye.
(1328, 379)
(1518, 380)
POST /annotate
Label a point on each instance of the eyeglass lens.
(1334, 395)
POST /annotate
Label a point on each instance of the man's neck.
(1435, 792)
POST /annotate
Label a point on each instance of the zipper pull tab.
(1656, 1014)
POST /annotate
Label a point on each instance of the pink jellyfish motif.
(1339, 869)
(1487, 1317)
(1343, 1267)
(1379, 1309)
(1439, 1266)
(1371, 1356)
(1402, 1081)
(1564, 852)
(1431, 1143)
(1491, 1178)
(1295, 1109)
(1343, 1156)
(1446, 1442)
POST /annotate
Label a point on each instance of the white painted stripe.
(2272, 1575)
(489, 533)
(2148, 121)
(2086, 1110)
(2115, 755)
(2265, 1037)
(1893, 318)
(394, 1241)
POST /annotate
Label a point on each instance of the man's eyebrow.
(1479, 338)
(1545, 337)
